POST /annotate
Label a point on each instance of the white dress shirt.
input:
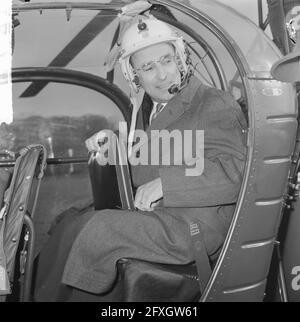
(157, 108)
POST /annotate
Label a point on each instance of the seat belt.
(200, 254)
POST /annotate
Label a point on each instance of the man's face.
(157, 70)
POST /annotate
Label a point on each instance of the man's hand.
(95, 141)
(148, 195)
(96, 144)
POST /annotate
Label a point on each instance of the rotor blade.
(74, 47)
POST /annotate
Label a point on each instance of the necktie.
(158, 109)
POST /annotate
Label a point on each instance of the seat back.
(19, 207)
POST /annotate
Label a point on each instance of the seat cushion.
(142, 281)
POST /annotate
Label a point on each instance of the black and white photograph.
(149, 154)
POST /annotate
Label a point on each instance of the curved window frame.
(71, 77)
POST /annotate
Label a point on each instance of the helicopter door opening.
(62, 125)
(228, 52)
(213, 65)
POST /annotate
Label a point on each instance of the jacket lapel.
(173, 110)
(142, 122)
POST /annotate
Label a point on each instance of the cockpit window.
(61, 117)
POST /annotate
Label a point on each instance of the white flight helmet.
(144, 32)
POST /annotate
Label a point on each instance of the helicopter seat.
(16, 223)
(143, 281)
(140, 280)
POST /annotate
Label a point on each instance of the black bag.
(111, 183)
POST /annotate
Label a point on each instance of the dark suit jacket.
(162, 236)
(198, 107)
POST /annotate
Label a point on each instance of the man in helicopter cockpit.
(83, 250)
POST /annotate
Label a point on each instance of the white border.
(6, 110)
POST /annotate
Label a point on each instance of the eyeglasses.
(163, 61)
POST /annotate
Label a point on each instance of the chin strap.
(132, 124)
(136, 102)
